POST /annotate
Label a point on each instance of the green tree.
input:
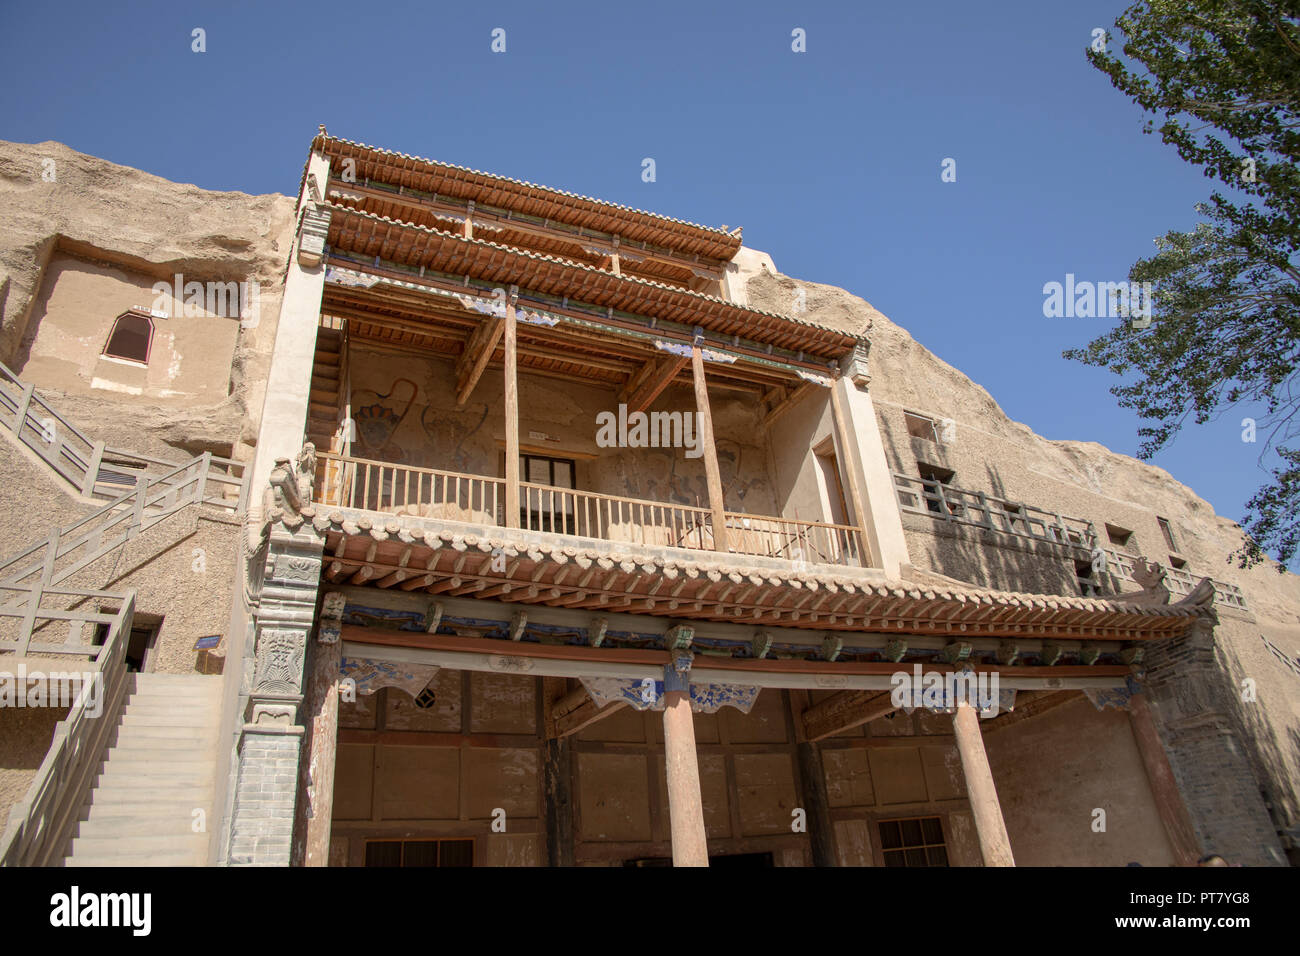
(1220, 81)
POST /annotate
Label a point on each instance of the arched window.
(131, 337)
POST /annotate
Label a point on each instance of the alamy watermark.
(944, 690)
(229, 300)
(1100, 300)
(652, 430)
(34, 688)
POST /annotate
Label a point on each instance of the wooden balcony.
(378, 486)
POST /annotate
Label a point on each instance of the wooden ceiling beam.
(649, 383)
(480, 348)
(844, 711)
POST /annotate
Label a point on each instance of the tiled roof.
(720, 243)
(836, 340)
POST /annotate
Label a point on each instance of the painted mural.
(406, 413)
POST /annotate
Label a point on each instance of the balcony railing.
(949, 503)
(1179, 581)
(429, 492)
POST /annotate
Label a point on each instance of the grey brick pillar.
(1188, 690)
(266, 787)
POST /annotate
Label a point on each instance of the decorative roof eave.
(597, 286)
(452, 557)
(704, 240)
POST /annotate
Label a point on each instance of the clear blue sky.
(830, 159)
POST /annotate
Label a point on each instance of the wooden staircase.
(327, 385)
(157, 772)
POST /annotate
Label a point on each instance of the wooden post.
(557, 774)
(995, 845)
(812, 777)
(512, 415)
(685, 806)
(321, 708)
(712, 473)
(1164, 788)
(681, 764)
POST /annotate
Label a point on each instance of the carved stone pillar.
(267, 778)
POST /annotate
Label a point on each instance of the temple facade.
(537, 530)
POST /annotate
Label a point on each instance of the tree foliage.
(1220, 81)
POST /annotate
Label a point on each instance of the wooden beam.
(844, 711)
(789, 402)
(713, 474)
(650, 382)
(512, 416)
(584, 716)
(478, 352)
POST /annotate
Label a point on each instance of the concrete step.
(141, 774)
(173, 850)
(180, 719)
(155, 708)
(166, 793)
(144, 823)
(164, 747)
(179, 703)
(146, 806)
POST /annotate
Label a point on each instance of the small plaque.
(207, 643)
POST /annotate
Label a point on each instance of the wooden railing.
(976, 508)
(41, 824)
(93, 468)
(428, 492)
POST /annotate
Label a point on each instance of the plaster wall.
(74, 315)
(1082, 760)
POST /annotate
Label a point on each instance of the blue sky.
(829, 159)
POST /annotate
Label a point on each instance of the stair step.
(130, 743)
(156, 681)
(138, 774)
(138, 859)
(197, 795)
(145, 822)
(326, 373)
(161, 850)
(146, 805)
(319, 408)
(181, 719)
(162, 707)
(327, 358)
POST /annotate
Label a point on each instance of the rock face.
(54, 198)
(1240, 684)
(995, 454)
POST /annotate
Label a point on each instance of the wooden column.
(847, 445)
(995, 845)
(685, 806)
(712, 473)
(812, 779)
(512, 415)
(321, 708)
(681, 763)
(557, 778)
(1164, 788)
